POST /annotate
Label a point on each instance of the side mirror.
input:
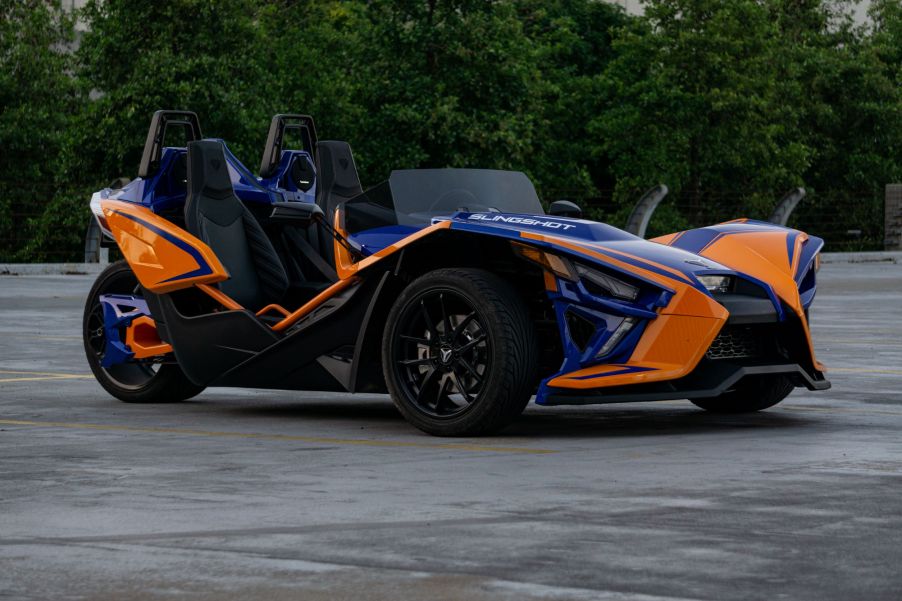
(295, 212)
(565, 208)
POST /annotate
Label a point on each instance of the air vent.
(735, 342)
(581, 329)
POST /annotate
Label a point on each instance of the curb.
(862, 257)
(51, 268)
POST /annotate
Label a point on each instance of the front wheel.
(459, 353)
(751, 394)
(153, 380)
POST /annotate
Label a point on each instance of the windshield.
(412, 197)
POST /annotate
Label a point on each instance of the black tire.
(752, 393)
(141, 382)
(459, 353)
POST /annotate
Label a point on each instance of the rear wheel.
(752, 393)
(152, 380)
(459, 353)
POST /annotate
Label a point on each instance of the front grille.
(735, 342)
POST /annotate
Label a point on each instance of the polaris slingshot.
(450, 289)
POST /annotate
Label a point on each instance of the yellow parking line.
(43, 373)
(42, 378)
(281, 437)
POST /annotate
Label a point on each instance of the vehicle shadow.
(646, 419)
(602, 421)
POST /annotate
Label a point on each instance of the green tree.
(138, 57)
(445, 83)
(851, 108)
(572, 41)
(695, 100)
(317, 58)
(37, 100)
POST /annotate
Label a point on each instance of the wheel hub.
(445, 355)
(442, 358)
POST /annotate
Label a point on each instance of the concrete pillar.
(893, 217)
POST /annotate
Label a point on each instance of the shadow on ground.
(537, 422)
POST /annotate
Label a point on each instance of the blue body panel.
(119, 311)
(164, 192)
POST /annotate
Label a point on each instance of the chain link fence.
(851, 221)
(847, 222)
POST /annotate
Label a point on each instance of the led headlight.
(716, 284)
(608, 284)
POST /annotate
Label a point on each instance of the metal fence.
(852, 221)
(847, 222)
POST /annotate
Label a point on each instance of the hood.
(591, 235)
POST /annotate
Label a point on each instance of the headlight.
(716, 284)
(608, 284)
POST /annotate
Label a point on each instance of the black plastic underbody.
(236, 349)
(709, 379)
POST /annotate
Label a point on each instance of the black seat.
(336, 182)
(215, 215)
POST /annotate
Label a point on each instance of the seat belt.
(310, 254)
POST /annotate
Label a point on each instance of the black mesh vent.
(735, 342)
(581, 329)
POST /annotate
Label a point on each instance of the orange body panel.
(163, 256)
(670, 348)
(345, 266)
(763, 256)
(142, 339)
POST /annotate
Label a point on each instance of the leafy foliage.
(728, 103)
(37, 100)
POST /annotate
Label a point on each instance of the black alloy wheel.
(442, 358)
(459, 352)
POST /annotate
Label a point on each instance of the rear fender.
(163, 256)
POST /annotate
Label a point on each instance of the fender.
(163, 256)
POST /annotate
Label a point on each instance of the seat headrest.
(336, 171)
(208, 172)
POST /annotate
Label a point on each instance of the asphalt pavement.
(246, 494)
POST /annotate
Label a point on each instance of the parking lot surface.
(245, 494)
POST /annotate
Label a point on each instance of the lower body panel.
(710, 379)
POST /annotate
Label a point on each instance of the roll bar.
(272, 152)
(159, 124)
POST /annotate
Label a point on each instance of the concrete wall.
(634, 7)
